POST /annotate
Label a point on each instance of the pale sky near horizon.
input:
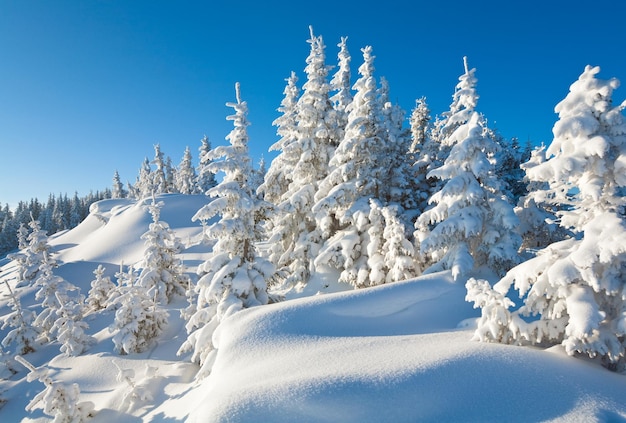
(88, 87)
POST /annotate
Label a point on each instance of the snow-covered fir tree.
(144, 187)
(573, 291)
(186, 178)
(399, 252)
(30, 259)
(538, 222)
(162, 273)
(306, 151)
(403, 188)
(159, 175)
(138, 320)
(418, 154)
(390, 254)
(206, 178)
(234, 276)
(170, 176)
(54, 291)
(340, 85)
(471, 223)
(360, 173)
(101, 289)
(23, 335)
(419, 121)
(280, 174)
(118, 188)
(70, 327)
(436, 146)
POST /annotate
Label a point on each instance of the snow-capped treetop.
(234, 200)
(464, 101)
(159, 179)
(186, 175)
(144, 185)
(206, 178)
(420, 116)
(162, 273)
(118, 187)
(587, 157)
(340, 83)
(357, 171)
(474, 224)
(280, 174)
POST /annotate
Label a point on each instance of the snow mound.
(112, 231)
(391, 353)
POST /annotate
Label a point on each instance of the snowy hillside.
(398, 352)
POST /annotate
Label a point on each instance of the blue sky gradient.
(89, 87)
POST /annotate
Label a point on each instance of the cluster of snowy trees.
(57, 214)
(160, 176)
(355, 191)
(573, 292)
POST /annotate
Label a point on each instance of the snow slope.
(395, 353)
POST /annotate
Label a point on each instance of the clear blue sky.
(88, 87)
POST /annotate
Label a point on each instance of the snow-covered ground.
(396, 353)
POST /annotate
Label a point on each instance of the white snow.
(399, 352)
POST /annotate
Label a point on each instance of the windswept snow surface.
(396, 353)
(392, 354)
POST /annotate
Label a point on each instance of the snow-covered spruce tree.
(257, 177)
(399, 252)
(144, 186)
(538, 222)
(159, 176)
(118, 188)
(70, 327)
(138, 320)
(101, 289)
(124, 282)
(357, 176)
(418, 156)
(278, 177)
(58, 401)
(403, 188)
(360, 174)
(419, 121)
(471, 223)
(340, 85)
(24, 335)
(510, 157)
(573, 291)
(29, 260)
(436, 147)
(306, 150)
(170, 176)
(206, 178)
(234, 276)
(390, 255)
(186, 178)
(53, 293)
(22, 237)
(162, 273)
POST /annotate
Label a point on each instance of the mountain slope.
(398, 352)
